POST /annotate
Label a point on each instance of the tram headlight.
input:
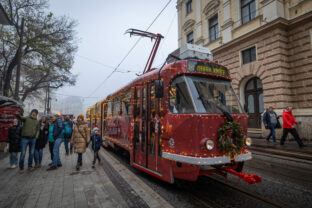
(209, 144)
(248, 141)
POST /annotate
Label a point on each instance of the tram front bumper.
(205, 160)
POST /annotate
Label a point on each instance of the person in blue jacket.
(97, 141)
(271, 122)
(58, 129)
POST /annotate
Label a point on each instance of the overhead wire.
(131, 49)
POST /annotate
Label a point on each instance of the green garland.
(230, 138)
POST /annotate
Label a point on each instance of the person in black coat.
(41, 141)
(14, 142)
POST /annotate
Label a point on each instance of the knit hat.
(81, 116)
(95, 129)
(34, 110)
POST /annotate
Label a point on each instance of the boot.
(93, 165)
(77, 167)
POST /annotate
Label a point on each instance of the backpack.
(67, 129)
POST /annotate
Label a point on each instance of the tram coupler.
(250, 179)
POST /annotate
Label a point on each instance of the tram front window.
(193, 94)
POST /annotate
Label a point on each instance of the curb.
(286, 153)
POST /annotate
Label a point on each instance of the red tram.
(168, 121)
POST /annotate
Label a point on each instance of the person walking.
(41, 141)
(68, 128)
(271, 122)
(58, 137)
(50, 137)
(80, 139)
(14, 142)
(97, 141)
(30, 133)
(289, 126)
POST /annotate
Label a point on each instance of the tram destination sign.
(205, 67)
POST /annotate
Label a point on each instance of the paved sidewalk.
(291, 148)
(63, 187)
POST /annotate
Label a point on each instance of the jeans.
(295, 135)
(51, 146)
(24, 143)
(13, 158)
(56, 152)
(96, 156)
(272, 133)
(38, 156)
(66, 141)
(79, 158)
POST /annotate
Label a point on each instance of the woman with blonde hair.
(80, 139)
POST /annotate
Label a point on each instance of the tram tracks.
(208, 191)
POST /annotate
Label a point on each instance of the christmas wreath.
(230, 138)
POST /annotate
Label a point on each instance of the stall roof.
(9, 102)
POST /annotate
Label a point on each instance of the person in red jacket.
(289, 126)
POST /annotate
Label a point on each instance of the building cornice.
(211, 5)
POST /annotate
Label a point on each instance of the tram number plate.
(204, 67)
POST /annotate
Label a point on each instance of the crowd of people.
(53, 130)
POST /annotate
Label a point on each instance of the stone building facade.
(267, 47)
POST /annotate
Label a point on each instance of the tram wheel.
(240, 166)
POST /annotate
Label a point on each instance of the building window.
(190, 38)
(213, 28)
(248, 10)
(249, 55)
(188, 7)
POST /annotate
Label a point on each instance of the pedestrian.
(14, 142)
(30, 133)
(41, 141)
(58, 137)
(68, 128)
(289, 126)
(80, 139)
(97, 141)
(271, 122)
(51, 140)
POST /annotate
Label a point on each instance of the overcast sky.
(102, 43)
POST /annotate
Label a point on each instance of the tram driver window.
(179, 97)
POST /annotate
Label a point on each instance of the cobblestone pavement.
(66, 187)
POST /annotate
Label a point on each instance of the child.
(14, 142)
(96, 145)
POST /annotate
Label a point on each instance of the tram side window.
(116, 107)
(152, 139)
(179, 98)
(137, 103)
(143, 136)
(136, 138)
(109, 108)
(144, 101)
(152, 102)
(126, 104)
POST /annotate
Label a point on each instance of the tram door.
(104, 119)
(144, 127)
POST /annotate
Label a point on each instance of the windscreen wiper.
(225, 113)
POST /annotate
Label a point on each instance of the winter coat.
(30, 128)
(51, 127)
(97, 141)
(288, 120)
(80, 137)
(58, 129)
(267, 120)
(43, 136)
(14, 138)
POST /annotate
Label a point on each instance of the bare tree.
(48, 48)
